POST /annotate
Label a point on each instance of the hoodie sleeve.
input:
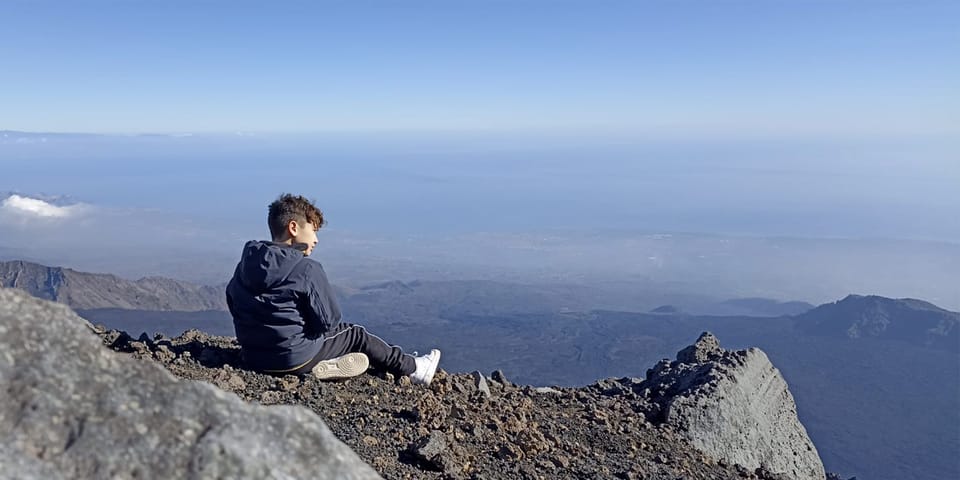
(324, 311)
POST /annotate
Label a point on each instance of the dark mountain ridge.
(82, 290)
(871, 316)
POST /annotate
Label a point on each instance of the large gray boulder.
(70, 408)
(735, 406)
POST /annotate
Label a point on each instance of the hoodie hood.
(263, 264)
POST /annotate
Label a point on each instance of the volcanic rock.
(706, 348)
(734, 406)
(74, 409)
(481, 383)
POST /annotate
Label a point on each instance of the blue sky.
(687, 68)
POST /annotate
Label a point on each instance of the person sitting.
(286, 316)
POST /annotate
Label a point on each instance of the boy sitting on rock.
(286, 314)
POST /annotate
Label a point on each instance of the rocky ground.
(463, 425)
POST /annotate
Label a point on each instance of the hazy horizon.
(788, 221)
(531, 140)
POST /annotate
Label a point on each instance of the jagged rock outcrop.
(73, 409)
(733, 405)
(84, 291)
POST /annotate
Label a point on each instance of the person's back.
(285, 313)
(266, 297)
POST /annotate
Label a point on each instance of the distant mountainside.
(669, 309)
(91, 290)
(768, 307)
(871, 316)
(417, 298)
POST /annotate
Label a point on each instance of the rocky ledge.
(483, 426)
(711, 414)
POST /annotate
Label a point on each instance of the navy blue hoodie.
(282, 304)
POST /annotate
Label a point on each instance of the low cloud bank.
(27, 207)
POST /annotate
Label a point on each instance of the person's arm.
(229, 299)
(324, 311)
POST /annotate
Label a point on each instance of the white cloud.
(49, 222)
(33, 207)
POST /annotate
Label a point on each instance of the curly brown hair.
(288, 207)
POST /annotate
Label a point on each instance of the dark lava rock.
(499, 377)
(432, 453)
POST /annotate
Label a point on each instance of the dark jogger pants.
(349, 338)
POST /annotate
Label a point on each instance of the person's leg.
(349, 338)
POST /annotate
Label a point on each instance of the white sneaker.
(346, 366)
(426, 367)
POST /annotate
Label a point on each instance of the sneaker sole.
(347, 366)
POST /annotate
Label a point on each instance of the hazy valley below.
(620, 270)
